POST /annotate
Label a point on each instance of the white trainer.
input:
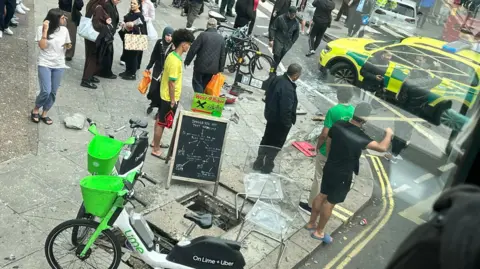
(1, 34)
(20, 10)
(8, 31)
(24, 7)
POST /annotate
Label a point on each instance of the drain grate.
(202, 202)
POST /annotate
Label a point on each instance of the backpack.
(450, 239)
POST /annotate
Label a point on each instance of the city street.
(52, 159)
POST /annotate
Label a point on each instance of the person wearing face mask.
(100, 20)
(157, 60)
(132, 58)
(53, 40)
(280, 112)
(283, 34)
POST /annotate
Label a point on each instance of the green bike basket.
(103, 153)
(99, 193)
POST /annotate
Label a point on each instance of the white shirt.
(53, 56)
(148, 11)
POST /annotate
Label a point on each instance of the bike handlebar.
(145, 176)
(140, 201)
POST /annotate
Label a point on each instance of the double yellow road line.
(354, 247)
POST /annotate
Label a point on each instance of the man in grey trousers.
(194, 7)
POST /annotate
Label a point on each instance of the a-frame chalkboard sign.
(198, 147)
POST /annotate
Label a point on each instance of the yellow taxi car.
(452, 76)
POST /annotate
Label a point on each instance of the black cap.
(292, 10)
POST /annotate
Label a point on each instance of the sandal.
(47, 120)
(35, 117)
(327, 239)
(162, 146)
(309, 229)
(161, 157)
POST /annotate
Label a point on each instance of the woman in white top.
(148, 10)
(53, 40)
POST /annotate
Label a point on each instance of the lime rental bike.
(109, 156)
(106, 197)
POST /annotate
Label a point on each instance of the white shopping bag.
(85, 29)
(152, 33)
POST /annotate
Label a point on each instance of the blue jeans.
(49, 80)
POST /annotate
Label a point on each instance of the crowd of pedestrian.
(341, 142)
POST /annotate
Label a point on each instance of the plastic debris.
(363, 222)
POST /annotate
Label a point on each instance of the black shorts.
(336, 187)
(166, 114)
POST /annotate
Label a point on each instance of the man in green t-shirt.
(342, 111)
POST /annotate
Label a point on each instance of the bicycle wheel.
(260, 66)
(105, 253)
(197, 32)
(78, 235)
(245, 65)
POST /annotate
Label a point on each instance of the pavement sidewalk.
(40, 189)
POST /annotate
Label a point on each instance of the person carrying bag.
(135, 40)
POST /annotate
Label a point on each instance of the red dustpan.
(306, 148)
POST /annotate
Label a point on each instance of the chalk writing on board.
(199, 148)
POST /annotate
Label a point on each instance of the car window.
(447, 67)
(401, 9)
(380, 44)
(403, 54)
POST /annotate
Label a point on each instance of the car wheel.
(342, 73)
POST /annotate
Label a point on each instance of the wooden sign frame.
(175, 138)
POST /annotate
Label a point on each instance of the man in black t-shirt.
(345, 143)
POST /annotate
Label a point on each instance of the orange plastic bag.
(214, 86)
(143, 86)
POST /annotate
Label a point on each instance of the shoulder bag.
(136, 42)
(85, 28)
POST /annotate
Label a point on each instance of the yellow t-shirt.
(172, 71)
